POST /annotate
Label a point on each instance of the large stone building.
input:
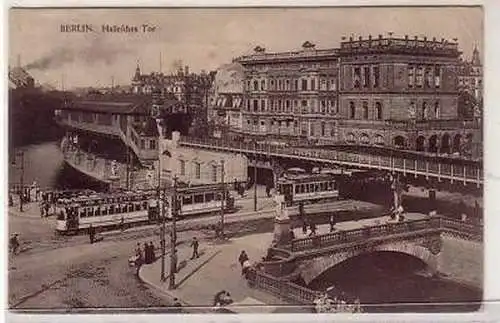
(386, 91)
(470, 76)
(226, 98)
(291, 94)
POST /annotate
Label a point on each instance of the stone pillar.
(282, 223)
(432, 202)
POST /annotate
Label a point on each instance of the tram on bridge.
(126, 209)
(300, 188)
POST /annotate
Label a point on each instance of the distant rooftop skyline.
(205, 39)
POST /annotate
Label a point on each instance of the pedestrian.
(42, 206)
(268, 190)
(332, 223)
(46, 208)
(177, 305)
(304, 227)
(11, 200)
(152, 251)
(91, 234)
(174, 261)
(312, 227)
(242, 258)
(14, 243)
(195, 244)
(147, 254)
(122, 224)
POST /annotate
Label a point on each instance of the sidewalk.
(218, 269)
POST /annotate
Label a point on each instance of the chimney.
(370, 37)
(433, 38)
(425, 38)
(416, 37)
(406, 37)
(350, 38)
(186, 70)
(379, 36)
(360, 38)
(442, 40)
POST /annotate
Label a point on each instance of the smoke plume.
(94, 52)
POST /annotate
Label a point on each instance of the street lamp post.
(255, 177)
(222, 199)
(21, 192)
(161, 207)
(173, 237)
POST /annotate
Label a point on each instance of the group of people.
(146, 254)
(222, 299)
(325, 304)
(332, 220)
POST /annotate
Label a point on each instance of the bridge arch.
(313, 269)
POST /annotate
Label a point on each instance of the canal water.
(389, 282)
(44, 164)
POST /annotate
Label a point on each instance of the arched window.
(378, 110)
(352, 110)
(365, 110)
(262, 85)
(322, 129)
(437, 111)
(379, 140)
(425, 111)
(350, 137)
(255, 85)
(365, 139)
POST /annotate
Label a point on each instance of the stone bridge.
(310, 257)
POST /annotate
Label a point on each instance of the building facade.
(290, 94)
(198, 167)
(226, 99)
(470, 76)
(384, 91)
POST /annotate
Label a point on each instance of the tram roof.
(305, 178)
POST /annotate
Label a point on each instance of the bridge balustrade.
(284, 289)
(424, 167)
(341, 237)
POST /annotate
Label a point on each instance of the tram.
(308, 188)
(135, 208)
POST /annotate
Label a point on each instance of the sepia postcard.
(245, 160)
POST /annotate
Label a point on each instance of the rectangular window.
(214, 173)
(376, 76)
(288, 85)
(357, 78)
(313, 85)
(367, 77)
(255, 105)
(262, 105)
(198, 198)
(262, 85)
(304, 85)
(287, 105)
(420, 78)
(182, 167)
(296, 87)
(437, 76)
(152, 144)
(197, 170)
(143, 144)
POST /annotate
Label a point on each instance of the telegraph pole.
(21, 193)
(173, 237)
(161, 204)
(222, 199)
(255, 178)
(128, 169)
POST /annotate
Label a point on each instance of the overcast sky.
(208, 38)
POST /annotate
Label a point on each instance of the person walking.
(332, 223)
(14, 243)
(304, 227)
(312, 227)
(122, 224)
(147, 254)
(91, 234)
(152, 251)
(242, 258)
(195, 244)
(174, 262)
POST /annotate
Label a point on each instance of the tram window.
(209, 197)
(111, 209)
(105, 211)
(144, 205)
(187, 200)
(137, 206)
(218, 196)
(82, 213)
(198, 198)
(97, 211)
(124, 208)
(297, 188)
